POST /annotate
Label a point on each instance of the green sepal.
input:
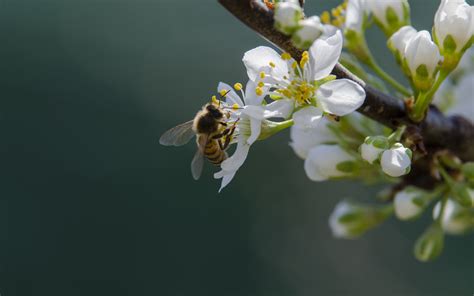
(430, 244)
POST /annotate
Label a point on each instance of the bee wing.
(197, 164)
(198, 160)
(178, 135)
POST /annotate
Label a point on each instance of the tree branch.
(438, 131)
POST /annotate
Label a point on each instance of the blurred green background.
(91, 204)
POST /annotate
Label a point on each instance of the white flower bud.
(309, 30)
(372, 147)
(453, 26)
(350, 220)
(456, 219)
(409, 203)
(327, 161)
(356, 10)
(422, 57)
(398, 41)
(396, 161)
(287, 16)
(390, 14)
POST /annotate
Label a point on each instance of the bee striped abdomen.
(213, 152)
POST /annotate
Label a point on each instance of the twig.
(438, 131)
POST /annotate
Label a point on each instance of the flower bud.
(328, 161)
(309, 30)
(422, 58)
(453, 30)
(409, 203)
(396, 161)
(287, 16)
(462, 194)
(372, 147)
(456, 218)
(430, 244)
(350, 220)
(398, 41)
(390, 15)
(302, 140)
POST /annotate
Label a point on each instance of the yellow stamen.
(238, 86)
(235, 106)
(285, 56)
(272, 64)
(294, 65)
(326, 17)
(261, 84)
(214, 100)
(262, 75)
(303, 61)
(259, 91)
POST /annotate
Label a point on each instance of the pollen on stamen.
(285, 56)
(214, 100)
(235, 106)
(261, 84)
(272, 64)
(259, 91)
(223, 92)
(238, 86)
(303, 61)
(326, 17)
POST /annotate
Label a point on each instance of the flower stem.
(424, 99)
(389, 79)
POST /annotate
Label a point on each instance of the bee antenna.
(223, 95)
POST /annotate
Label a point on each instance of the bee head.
(214, 111)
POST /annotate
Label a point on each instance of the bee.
(213, 136)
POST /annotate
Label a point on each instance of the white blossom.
(287, 16)
(408, 204)
(399, 40)
(303, 139)
(396, 161)
(373, 147)
(350, 220)
(302, 84)
(323, 162)
(453, 220)
(355, 14)
(454, 20)
(251, 115)
(422, 58)
(308, 31)
(392, 8)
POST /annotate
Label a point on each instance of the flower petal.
(302, 140)
(234, 162)
(324, 54)
(231, 97)
(340, 97)
(308, 117)
(259, 59)
(251, 97)
(281, 108)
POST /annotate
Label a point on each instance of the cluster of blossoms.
(335, 142)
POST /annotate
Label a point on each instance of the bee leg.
(221, 145)
(223, 123)
(228, 138)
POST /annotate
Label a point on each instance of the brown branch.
(438, 131)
